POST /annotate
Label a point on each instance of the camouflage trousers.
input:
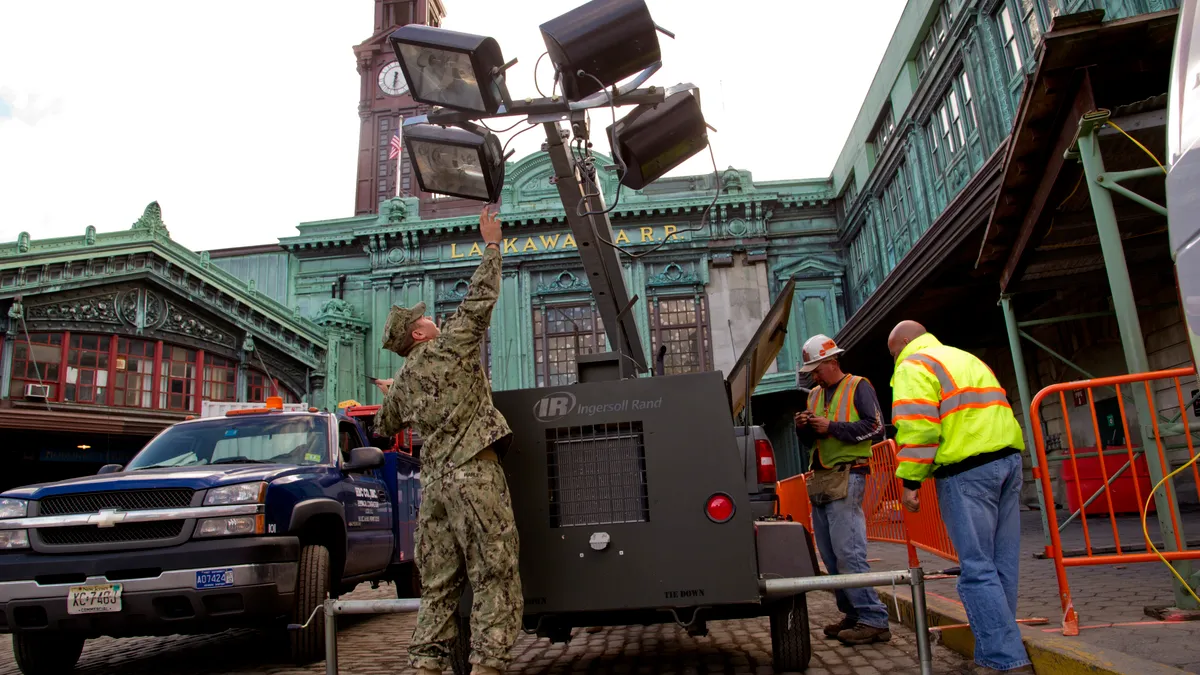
(466, 533)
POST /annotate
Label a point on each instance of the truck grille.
(90, 534)
(597, 475)
(125, 500)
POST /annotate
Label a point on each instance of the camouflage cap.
(397, 336)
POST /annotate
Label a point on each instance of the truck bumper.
(159, 594)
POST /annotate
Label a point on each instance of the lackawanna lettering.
(565, 241)
(622, 406)
(689, 593)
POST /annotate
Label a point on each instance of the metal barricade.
(1148, 394)
(888, 520)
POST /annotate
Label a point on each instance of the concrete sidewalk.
(1103, 595)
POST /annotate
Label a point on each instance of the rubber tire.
(312, 587)
(47, 653)
(791, 641)
(408, 582)
(460, 651)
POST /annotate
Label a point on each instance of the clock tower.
(384, 102)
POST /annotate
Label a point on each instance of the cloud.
(30, 108)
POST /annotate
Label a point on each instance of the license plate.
(214, 578)
(94, 599)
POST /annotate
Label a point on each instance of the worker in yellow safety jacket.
(954, 423)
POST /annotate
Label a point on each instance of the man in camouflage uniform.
(465, 531)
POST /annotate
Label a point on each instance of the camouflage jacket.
(442, 391)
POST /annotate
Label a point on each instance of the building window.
(177, 386)
(896, 208)
(36, 362)
(1012, 45)
(682, 325)
(938, 31)
(560, 333)
(884, 130)
(134, 372)
(951, 125)
(86, 378)
(259, 387)
(220, 379)
(851, 191)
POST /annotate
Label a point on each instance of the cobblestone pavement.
(1103, 595)
(376, 646)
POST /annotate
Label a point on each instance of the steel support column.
(1130, 328)
(1018, 358)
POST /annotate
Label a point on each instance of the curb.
(1050, 653)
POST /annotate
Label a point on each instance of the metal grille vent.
(90, 534)
(597, 474)
(125, 500)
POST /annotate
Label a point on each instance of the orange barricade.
(886, 519)
(1162, 386)
(793, 500)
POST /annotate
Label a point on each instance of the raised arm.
(473, 316)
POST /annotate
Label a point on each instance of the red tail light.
(719, 508)
(764, 456)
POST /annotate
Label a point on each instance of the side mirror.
(364, 459)
(110, 468)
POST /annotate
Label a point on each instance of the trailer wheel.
(460, 651)
(312, 587)
(46, 653)
(791, 642)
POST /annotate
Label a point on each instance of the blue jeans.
(841, 533)
(980, 507)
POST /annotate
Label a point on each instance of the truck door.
(369, 514)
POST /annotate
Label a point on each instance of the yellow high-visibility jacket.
(947, 406)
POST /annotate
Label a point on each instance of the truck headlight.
(13, 508)
(12, 539)
(242, 493)
(230, 527)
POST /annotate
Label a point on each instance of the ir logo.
(554, 406)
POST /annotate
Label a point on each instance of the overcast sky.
(240, 118)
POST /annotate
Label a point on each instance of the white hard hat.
(817, 349)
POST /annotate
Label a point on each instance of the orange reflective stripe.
(938, 369)
(917, 453)
(848, 397)
(912, 418)
(973, 397)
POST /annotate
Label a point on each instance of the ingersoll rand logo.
(554, 406)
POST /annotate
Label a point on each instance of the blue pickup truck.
(252, 518)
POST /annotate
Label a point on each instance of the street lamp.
(608, 40)
(464, 161)
(653, 139)
(451, 69)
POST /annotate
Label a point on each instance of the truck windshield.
(291, 439)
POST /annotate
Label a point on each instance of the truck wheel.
(791, 643)
(312, 587)
(46, 653)
(460, 652)
(408, 581)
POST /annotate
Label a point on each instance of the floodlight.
(653, 139)
(464, 162)
(607, 39)
(451, 69)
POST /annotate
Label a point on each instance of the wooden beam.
(1034, 226)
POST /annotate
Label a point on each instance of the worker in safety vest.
(840, 424)
(953, 421)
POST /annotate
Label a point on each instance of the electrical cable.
(1146, 530)
(500, 131)
(535, 67)
(1139, 144)
(621, 166)
(510, 138)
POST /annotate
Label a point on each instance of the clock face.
(391, 80)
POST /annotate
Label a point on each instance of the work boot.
(428, 671)
(832, 630)
(977, 669)
(483, 670)
(862, 634)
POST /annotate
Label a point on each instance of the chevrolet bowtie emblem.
(106, 518)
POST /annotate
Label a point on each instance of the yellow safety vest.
(838, 407)
(947, 406)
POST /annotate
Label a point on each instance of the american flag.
(396, 146)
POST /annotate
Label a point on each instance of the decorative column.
(243, 369)
(15, 314)
(345, 352)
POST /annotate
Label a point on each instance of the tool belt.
(829, 485)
